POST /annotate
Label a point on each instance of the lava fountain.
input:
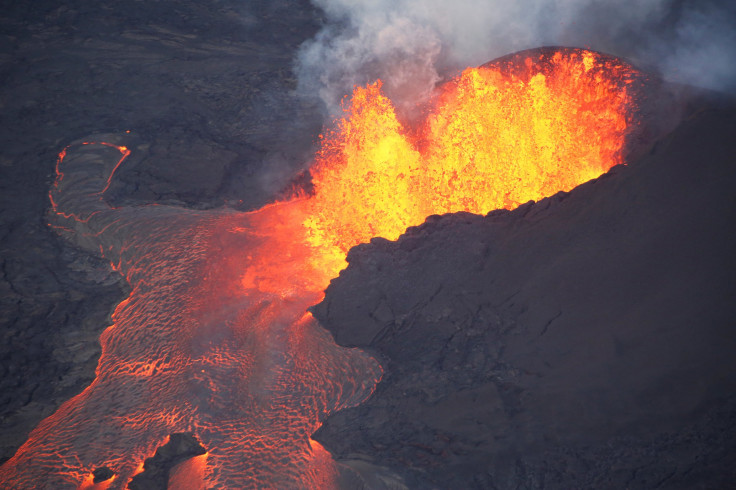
(215, 337)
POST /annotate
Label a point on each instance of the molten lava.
(215, 339)
(495, 137)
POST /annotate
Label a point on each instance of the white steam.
(411, 44)
(704, 52)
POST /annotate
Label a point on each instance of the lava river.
(215, 337)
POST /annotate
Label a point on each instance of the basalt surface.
(583, 341)
(561, 345)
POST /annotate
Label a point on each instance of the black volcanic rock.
(583, 341)
(101, 474)
(155, 474)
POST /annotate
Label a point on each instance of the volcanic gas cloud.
(215, 337)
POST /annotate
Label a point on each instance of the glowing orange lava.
(495, 137)
(215, 339)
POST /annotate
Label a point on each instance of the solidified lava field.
(583, 340)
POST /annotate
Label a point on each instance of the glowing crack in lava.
(215, 337)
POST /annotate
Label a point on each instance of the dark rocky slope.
(584, 341)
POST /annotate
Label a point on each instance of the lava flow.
(215, 337)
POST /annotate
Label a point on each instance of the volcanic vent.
(215, 338)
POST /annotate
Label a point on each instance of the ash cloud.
(412, 44)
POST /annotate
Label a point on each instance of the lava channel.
(215, 337)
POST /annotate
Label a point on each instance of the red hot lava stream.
(215, 337)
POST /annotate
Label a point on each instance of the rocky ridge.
(583, 341)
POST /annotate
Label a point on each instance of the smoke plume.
(412, 44)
